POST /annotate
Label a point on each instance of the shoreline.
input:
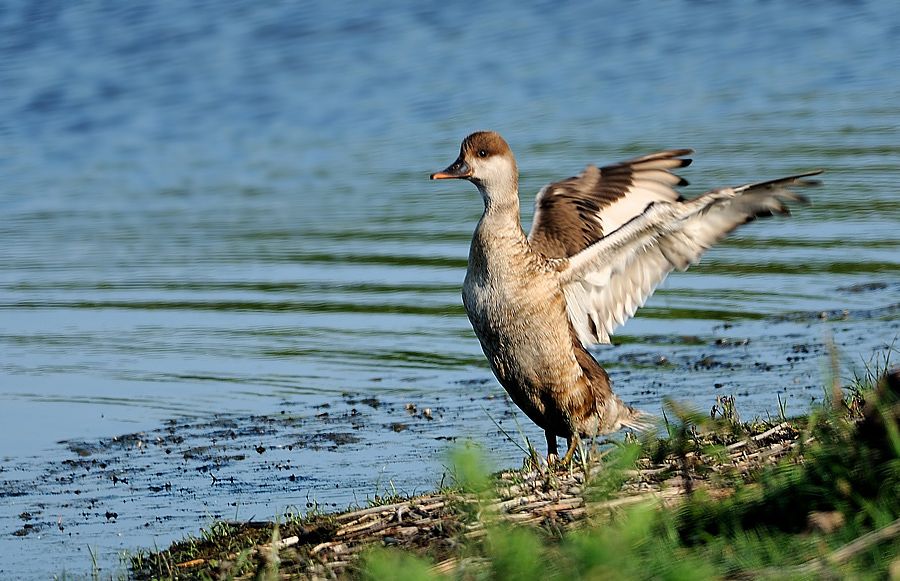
(713, 478)
(325, 545)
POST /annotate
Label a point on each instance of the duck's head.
(485, 160)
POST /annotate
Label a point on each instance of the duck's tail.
(618, 415)
(638, 420)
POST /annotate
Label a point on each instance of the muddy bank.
(722, 477)
(329, 544)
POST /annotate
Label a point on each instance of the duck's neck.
(501, 210)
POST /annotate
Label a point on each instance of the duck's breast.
(517, 310)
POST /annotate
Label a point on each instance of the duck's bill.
(458, 170)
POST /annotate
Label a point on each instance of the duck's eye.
(482, 153)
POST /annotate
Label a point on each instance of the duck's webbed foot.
(552, 450)
(570, 453)
(553, 459)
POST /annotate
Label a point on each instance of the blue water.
(221, 210)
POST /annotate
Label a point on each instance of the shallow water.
(217, 220)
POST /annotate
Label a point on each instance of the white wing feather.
(607, 282)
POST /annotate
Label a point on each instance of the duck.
(599, 245)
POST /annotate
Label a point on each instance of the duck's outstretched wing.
(574, 213)
(608, 281)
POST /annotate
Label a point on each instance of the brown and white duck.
(599, 245)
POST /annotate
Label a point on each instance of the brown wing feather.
(574, 213)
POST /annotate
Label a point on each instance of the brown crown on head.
(488, 142)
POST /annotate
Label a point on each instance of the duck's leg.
(572, 441)
(552, 450)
